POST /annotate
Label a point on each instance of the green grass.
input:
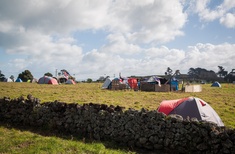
(18, 141)
(26, 142)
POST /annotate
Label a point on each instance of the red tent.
(191, 107)
(132, 83)
(47, 80)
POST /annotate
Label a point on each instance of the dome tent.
(191, 107)
(47, 80)
(8, 80)
(107, 83)
(34, 80)
(18, 80)
(216, 84)
(70, 81)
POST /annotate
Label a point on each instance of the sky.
(94, 38)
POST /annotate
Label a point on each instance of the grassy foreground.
(25, 141)
(17, 141)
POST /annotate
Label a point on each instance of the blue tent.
(216, 84)
(18, 80)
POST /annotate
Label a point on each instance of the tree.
(230, 77)
(2, 76)
(202, 74)
(222, 73)
(89, 80)
(48, 74)
(101, 79)
(25, 76)
(192, 73)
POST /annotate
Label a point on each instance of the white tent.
(8, 80)
(107, 83)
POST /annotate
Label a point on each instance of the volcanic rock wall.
(143, 129)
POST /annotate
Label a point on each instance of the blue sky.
(93, 38)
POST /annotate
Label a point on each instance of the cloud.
(210, 56)
(96, 63)
(149, 26)
(228, 4)
(228, 20)
(221, 12)
(46, 54)
(201, 8)
(156, 60)
(55, 16)
(129, 18)
(118, 44)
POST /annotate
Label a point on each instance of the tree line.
(196, 74)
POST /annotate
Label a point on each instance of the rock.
(143, 140)
(176, 118)
(167, 142)
(202, 146)
(228, 144)
(194, 120)
(158, 146)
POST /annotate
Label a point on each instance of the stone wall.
(144, 129)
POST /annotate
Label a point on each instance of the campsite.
(221, 99)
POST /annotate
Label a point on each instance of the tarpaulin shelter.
(154, 83)
(154, 79)
(47, 80)
(191, 107)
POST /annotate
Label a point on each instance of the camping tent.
(107, 83)
(34, 80)
(47, 80)
(216, 84)
(132, 82)
(8, 80)
(70, 81)
(18, 80)
(191, 107)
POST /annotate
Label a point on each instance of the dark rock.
(228, 144)
(202, 146)
(158, 146)
(176, 118)
(143, 140)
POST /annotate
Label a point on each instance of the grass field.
(25, 141)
